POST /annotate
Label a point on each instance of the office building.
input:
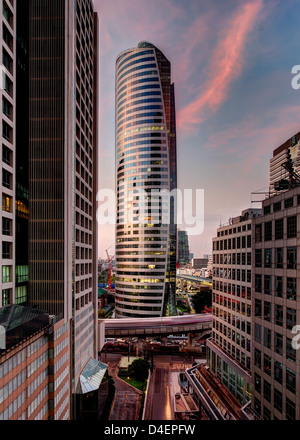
(145, 161)
(199, 263)
(49, 200)
(183, 251)
(285, 158)
(8, 142)
(229, 349)
(276, 283)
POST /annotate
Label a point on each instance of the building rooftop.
(20, 322)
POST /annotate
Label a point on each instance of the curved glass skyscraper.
(145, 163)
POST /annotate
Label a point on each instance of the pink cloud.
(226, 64)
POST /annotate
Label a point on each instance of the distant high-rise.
(183, 251)
(145, 160)
(288, 154)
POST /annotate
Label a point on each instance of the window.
(258, 308)
(6, 226)
(258, 233)
(6, 155)
(267, 391)
(267, 337)
(292, 227)
(278, 400)
(7, 37)
(257, 358)
(278, 315)
(257, 383)
(6, 250)
(257, 333)
(257, 406)
(8, 85)
(6, 131)
(290, 409)
(290, 351)
(267, 284)
(290, 318)
(279, 258)
(267, 311)
(6, 107)
(267, 209)
(249, 241)
(277, 207)
(292, 258)
(278, 287)
(278, 343)
(266, 414)
(291, 288)
(6, 203)
(7, 60)
(289, 203)
(7, 14)
(267, 364)
(258, 257)
(268, 231)
(268, 258)
(279, 229)
(291, 380)
(258, 283)
(278, 372)
(6, 297)
(6, 179)
(6, 274)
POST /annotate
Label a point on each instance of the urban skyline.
(227, 143)
(211, 338)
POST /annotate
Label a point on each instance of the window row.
(232, 243)
(276, 230)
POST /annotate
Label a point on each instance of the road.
(161, 405)
(161, 388)
(127, 401)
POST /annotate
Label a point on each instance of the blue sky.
(231, 65)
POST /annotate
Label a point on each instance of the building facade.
(8, 141)
(145, 162)
(63, 85)
(276, 286)
(183, 250)
(199, 263)
(229, 349)
(49, 176)
(289, 154)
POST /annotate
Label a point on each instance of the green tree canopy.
(202, 299)
(139, 369)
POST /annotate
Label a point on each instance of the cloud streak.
(225, 65)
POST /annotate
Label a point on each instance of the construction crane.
(109, 260)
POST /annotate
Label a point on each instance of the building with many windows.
(8, 146)
(145, 162)
(229, 349)
(49, 167)
(287, 154)
(276, 286)
(183, 250)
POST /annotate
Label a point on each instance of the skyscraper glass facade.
(145, 161)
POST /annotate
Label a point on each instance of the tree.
(139, 369)
(202, 299)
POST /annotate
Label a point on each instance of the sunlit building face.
(145, 161)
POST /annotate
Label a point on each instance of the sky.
(231, 65)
